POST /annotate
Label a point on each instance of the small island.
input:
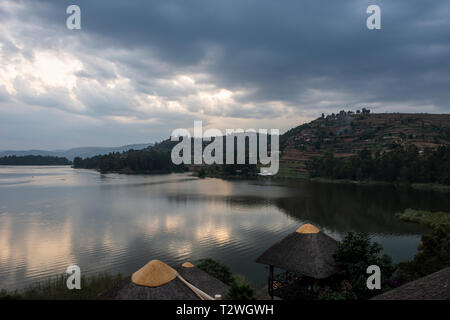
(31, 160)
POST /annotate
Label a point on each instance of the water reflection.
(58, 216)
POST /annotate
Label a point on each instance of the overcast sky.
(139, 69)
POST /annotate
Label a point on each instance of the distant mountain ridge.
(70, 154)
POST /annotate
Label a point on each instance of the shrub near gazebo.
(353, 255)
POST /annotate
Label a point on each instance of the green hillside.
(347, 133)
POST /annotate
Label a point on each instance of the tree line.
(147, 160)
(31, 160)
(402, 164)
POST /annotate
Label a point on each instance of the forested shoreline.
(31, 160)
(132, 161)
(404, 164)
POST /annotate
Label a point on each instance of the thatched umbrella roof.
(307, 251)
(155, 281)
(435, 286)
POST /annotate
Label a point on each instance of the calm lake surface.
(53, 217)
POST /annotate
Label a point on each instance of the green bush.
(354, 254)
(433, 255)
(342, 292)
(201, 173)
(328, 294)
(217, 269)
(240, 289)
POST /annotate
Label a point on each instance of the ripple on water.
(117, 223)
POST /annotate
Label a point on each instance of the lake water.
(53, 217)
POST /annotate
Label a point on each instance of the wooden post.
(271, 282)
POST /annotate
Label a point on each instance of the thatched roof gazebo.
(307, 251)
(158, 281)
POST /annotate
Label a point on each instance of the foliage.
(55, 288)
(431, 187)
(147, 160)
(354, 254)
(158, 159)
(399, 165)
(34, 161)
(428, 218)
(216, 269)
(240, 289)
(433, 255)
(201, 173)
(345, 292)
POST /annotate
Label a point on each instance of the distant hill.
(70, 154)
(346, 133)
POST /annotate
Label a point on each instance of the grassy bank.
(55, 288)
(431, 187)
(417, 186)
(287, 172)
(344, 181)
(428, 218)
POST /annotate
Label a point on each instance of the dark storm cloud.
(292, 57)
(282, 49)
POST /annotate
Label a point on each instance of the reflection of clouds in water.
(211, 231)
(45, 251)
(272, 226)
(174, 222)
(38, 250)
(219, 187)
(149, 225)
(107, 237)
(117, 222)
(13, 182)
(180, 249)
(5, 239)
(40, 176)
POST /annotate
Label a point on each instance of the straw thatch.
(187, 264)
(153, 274)
(435, 286)
(307, 228)
(172, 290)
(307, 251)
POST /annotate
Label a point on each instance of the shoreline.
(435, 187)
(415, 186)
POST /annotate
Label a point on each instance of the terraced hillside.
(346, 133)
